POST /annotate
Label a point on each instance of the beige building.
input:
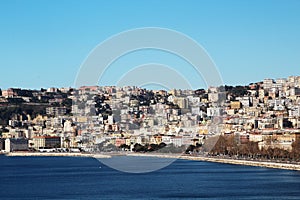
(235, 105)
(46, 142)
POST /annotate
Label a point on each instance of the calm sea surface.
(87, 178)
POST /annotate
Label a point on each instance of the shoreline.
(266, 164)
(15, 154)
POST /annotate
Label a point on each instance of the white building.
(214, 111)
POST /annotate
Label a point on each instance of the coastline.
(57, 154)
(246, 162)
(266, 164)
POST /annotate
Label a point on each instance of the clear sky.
(44, 42)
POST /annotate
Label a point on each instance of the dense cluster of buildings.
(92, 118)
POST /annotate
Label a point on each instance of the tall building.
(268, 83)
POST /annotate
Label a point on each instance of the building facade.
(16, 144)
(46, 142)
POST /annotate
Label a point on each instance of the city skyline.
(260, 82)
(150, 99)
(257, 121)
(44, 48)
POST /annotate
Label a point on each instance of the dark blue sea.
(87, 178)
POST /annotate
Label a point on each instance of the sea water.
(87, 178)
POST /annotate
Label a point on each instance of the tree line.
(229, 146)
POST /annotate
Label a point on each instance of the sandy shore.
(172, 156)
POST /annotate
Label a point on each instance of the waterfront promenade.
(247, 162)
(267, 164)
(276, 165)
(57, 154)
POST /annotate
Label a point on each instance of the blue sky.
(43, 42)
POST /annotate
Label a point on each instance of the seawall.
(57, 154)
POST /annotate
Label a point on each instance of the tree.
(296, 149)
(220, 147)
(231, 145)
(138, 148)
(67, 140)
(190, 149)
(162, 145)
(170, 148)
(243, 150)
(253, 149)
(31, 144)
(264, 152)
(124, 146)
